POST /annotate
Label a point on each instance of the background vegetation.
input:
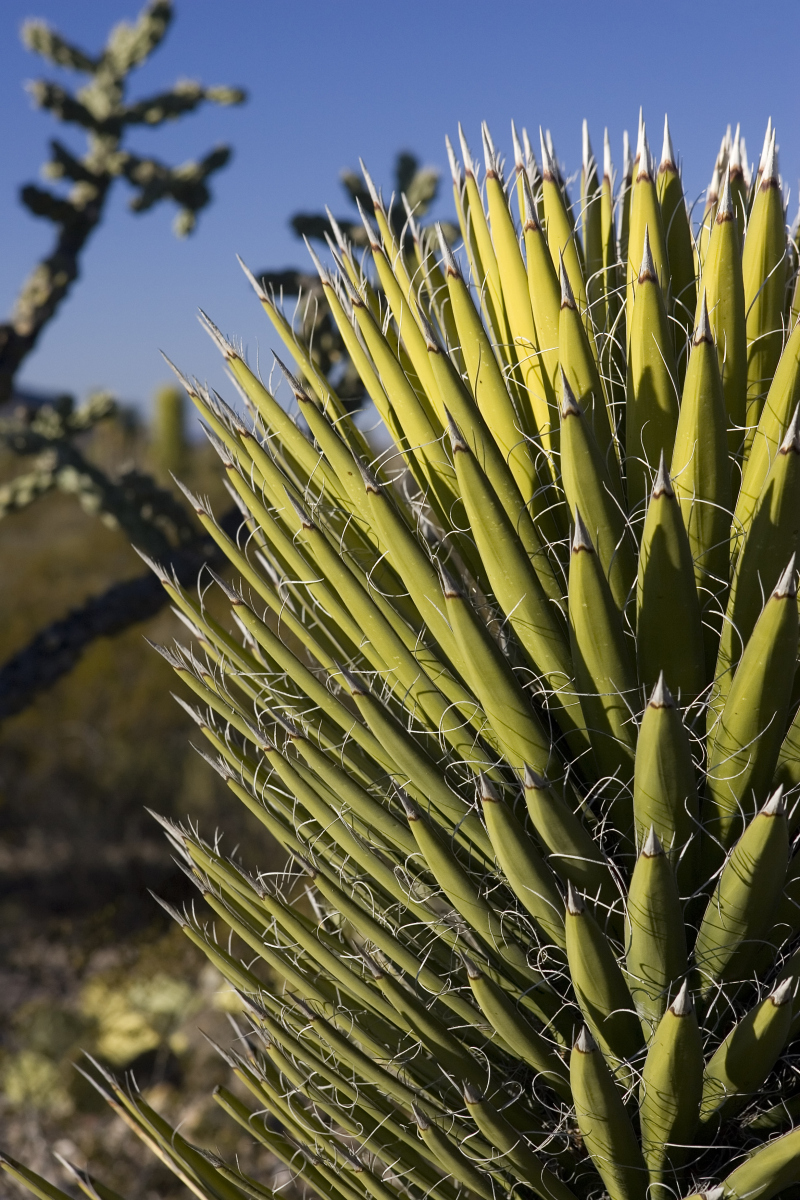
(87, 959)
(90, 737)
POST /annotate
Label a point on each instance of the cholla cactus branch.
(55, 650)
(100, 109)
(148, 514)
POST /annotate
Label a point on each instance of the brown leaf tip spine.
(682, 1005)
(373, 968)
(786, 587)
(627, 161)
(548, 167)
(585, 1043)
(230, 593)
(791, 441)
(703, 331)
(450, 588)
(300, 512)
(770, 177)
(372, 235)
(199, 505)
(455, 169)
(486, 789)
(735, 161)
(370, 482)
(301, 395)
(341, 240)
(448, 258)
(354, 684)
(652, 847)
(188, 387)
(306, 1009)
(765, 147)
(489, 156)
(353, 295)
(172, 912)
(776, 805)
(569, 405)
(409, 807)
(257, 287)
(198, 718)
(469, 165)
(608, 170)
(429, 333)
(457, 443)
(320, 268)
(532, 781)
(411, 220)
(725, 210)
(292, 732)
(645, 169)
(374, 194)
(472, 968)
(783, 992)
(661, 696)
(648, 267)
(667, 153)
(531, 221)
(305, 866)
(567, 294)
(217, 336)
(519, 154)
(588, 160)
(531, 165)
(662, 485)
(419, 1116)
(581, 539)
(575, 904)
(712, 195)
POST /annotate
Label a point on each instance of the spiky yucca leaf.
(517, 695)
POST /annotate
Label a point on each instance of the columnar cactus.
(517, 694)
(168, 430)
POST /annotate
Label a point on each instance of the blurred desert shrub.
(87, 960)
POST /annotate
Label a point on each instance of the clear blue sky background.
(331, 81)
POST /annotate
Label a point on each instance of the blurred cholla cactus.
(102, 111)
(414, 192)
(151, 516)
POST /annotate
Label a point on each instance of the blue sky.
(329, 82)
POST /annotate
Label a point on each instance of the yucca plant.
(518, 696)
